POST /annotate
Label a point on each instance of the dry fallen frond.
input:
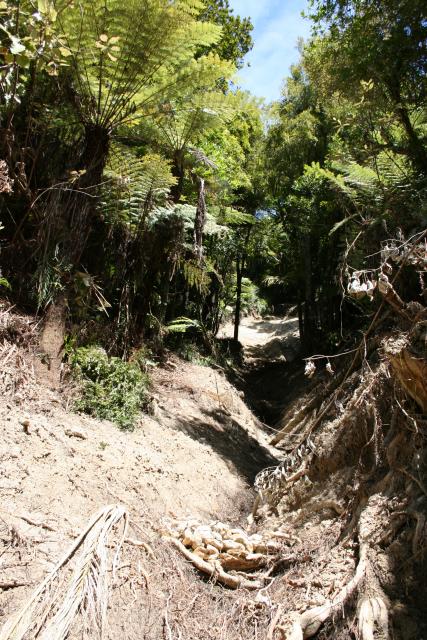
(49, 613)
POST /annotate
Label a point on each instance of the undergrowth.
(111, 389)
(192, 353)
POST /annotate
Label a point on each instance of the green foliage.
(49, 277)
(224, 149)
(28, 37)
(297, 135)
(233, 217)
(252, 302)
(186, 213)
(196, 276)
(111, 389)
(134, 185)
(113, 112)
(192, 114)
(374, 54)
(191, 352)
(236, 40)
(182, 325)
(4, 283)
(125, 58)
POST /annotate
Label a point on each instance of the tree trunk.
(308, 296)
(239, 272)
(77, 205)
(94, 157)
(178, 171)
(199, 222)
(300, 320)
(416, 148)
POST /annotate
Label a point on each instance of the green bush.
(111, 389)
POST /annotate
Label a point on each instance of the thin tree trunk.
(308, 296)
(300, 320)
(240, 265)
(239, 270)
(199, 222)
(416, 147)
(178, 172)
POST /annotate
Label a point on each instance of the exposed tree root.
(328, 394)
(411, 372)
(12, 584)
(372, 610)
(141, 544)
(373, 619)
(217, 573)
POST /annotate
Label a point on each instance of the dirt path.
(195, 457)
(270, 339)
(273, 370)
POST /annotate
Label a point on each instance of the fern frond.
(233, 216)
(187, 213)
(181, 325)
(196, 276)
(134, 185)
(124, 57)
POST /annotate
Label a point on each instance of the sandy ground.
(274, 339)
(197, 454)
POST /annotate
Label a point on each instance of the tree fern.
(182, 120)
(368, 187)
(125, 57)
(134, 185)
(187, 214)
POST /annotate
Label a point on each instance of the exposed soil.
(273, 372)
(197, 454)
(350, 523)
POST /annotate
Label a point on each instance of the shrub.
(111, 389)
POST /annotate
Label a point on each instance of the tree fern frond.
(134, 185)
(187, 213)
(183, 324)
(124, 56)
(196, 276)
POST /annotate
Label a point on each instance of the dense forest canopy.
(141, 185)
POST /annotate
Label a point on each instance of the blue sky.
(277, 26)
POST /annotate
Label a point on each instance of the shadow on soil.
(231, 441)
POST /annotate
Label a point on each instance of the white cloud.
(278, 26)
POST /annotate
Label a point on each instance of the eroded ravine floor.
(197, 454)
(272, 374)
